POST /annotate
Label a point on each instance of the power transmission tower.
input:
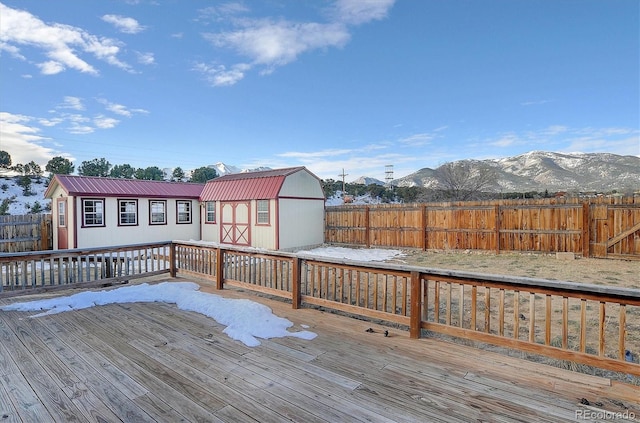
(388, 174)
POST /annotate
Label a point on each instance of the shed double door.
(235, 221)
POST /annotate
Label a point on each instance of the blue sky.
(353, 84)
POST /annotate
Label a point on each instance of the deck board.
(154, 362)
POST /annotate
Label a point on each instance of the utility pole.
(343, 184)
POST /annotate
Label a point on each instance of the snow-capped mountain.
(224, 169)
(541, 170)
(365, 180)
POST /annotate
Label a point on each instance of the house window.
(128, 212)
(158, 212)
(211, 212)
(184, 211)
(263, 212)
(62, 214)
(92, 212)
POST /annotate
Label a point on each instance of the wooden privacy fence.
(606, 228)
(590, 324)
(29, 232)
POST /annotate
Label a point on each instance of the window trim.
(120, 212)
(207, 211)
(62, 217)
(164, 212)
(259, 213)
(189, 205)
(102, 213)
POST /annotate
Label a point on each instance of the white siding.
(264, 236)
(112, 234)
(301, 223)
(301, 184)
(211, 231)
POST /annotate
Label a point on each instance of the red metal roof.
(262, 185)
(114, 187)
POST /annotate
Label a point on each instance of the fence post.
(367, 232)
(219, 268)
(424, 227)
(416, 306)
(586, 229)
(296, 291)
(497, 212)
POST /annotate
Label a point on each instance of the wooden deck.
(153, 362)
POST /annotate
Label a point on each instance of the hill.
(19, 203)
(540, 171)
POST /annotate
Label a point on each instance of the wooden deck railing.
(588, 324)
(45, 270)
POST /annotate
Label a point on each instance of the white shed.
(281, 209)
(96, 212)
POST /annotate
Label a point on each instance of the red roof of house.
(262, 185)
(114, 187)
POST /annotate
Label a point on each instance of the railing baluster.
(601, 326)
(622, 331)
(532, 317)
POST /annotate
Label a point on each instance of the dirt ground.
(619, 273)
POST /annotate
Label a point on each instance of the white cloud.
(50, 67)
(623, 141)
(74, 103)
(219, 75)
(104, 122)
(315, 154)
(535, 102)
(357, 12)
(560, 138)
(146, 58)
(506, 140)
(61, 44)
(120, 109)
(416, 140)
(22, 140)
(270, 43)
(221, 12)
(50, 122)
(124, 24)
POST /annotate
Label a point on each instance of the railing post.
(416, 306)
(172, 259)
(219, 268)
(296, 291)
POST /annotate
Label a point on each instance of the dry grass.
(619, 273)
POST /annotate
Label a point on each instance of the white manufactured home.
(95, 212)
(279, 209)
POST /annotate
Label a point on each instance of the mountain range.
(540, 171)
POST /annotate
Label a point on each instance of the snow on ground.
(245, 320)
(359, 254)
(21, 204)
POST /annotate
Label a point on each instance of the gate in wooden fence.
(598, 227)
(29, 232)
